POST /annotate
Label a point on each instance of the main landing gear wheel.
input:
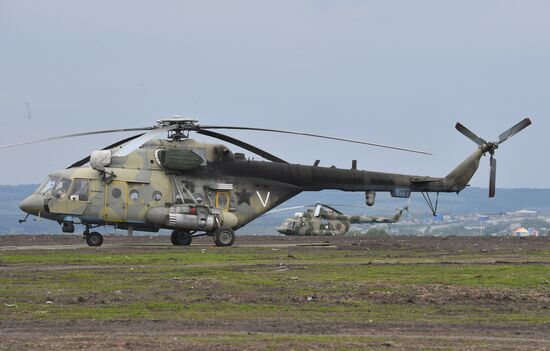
(94, 239)
(224, 237)
(180, 237)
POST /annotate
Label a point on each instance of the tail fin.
(459, 177)
(397, 217)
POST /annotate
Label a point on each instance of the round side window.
(157, 196)
(116, 193)
(134, 194)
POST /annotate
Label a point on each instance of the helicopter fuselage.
(147, 184)
(187, 185)
(324, 222)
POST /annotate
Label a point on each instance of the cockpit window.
(61, 188)
(79, 191)
(55, 186)
(48, 185)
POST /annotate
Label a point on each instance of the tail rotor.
(491, 147)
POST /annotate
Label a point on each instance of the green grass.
(256, 283)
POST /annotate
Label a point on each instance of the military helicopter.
(162, 179)
(324, 219)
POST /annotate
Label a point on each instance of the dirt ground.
(458, 244)
(258, 335)
(272, 332)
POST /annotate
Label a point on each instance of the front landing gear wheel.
(179, 237)
(224, 237)
(94, 239)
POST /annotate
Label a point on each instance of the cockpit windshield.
(55, 186)
(47, 186)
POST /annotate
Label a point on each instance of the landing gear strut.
(181, 237)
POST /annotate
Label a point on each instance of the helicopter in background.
(325, 220)
(162, 179)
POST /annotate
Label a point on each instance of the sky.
(392, 72)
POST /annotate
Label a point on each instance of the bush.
(354, 232)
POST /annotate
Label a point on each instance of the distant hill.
(471, 200)
(10, 214)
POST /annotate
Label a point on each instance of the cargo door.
(116, 202)
(138, 193)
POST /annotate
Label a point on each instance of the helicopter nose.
(33, 204)
(282, 230)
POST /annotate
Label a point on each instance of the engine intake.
(178, 159)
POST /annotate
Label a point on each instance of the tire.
(224, 237)
(186, 241)
(174, 238)
(94, 239)
(181, 238)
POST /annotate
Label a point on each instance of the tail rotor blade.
(493, 177)
(514, 130)
(470, 135)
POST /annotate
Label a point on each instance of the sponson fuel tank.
(190, 217)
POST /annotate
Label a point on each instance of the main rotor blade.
(493, 177)
(342, 205)
(118, 143)
(76, 135)
(137, 142)
(242, 144)
(514, 130)
(315, 136)
(470, 135)
(331, 208)
(282, 210)
(317, 211)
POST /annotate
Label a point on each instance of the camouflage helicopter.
(162, 179)
(326, 220)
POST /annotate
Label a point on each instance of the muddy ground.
(479, 312)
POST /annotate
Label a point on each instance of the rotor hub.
(490, 147)
(182, 126)
(183, 122)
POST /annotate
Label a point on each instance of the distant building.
(522, 214)
(522, 232)
(484, 218)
